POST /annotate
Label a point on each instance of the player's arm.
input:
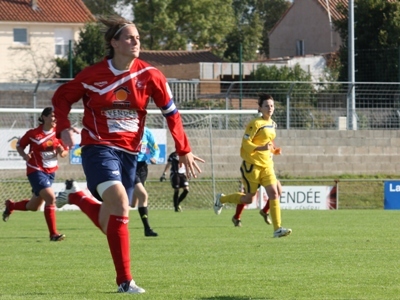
(163, 176)
(61, 151)
(163, 98)
(247, 141)
(153, 146)
(66, 95)
(22, 143)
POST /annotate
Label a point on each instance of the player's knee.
(247, 199)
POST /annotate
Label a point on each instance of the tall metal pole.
(351, 105)
(70, 59)
(240, 74)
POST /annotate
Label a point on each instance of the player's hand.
(67, 136)
(276, 151)
(163, 178)
(153, 161)
(28, 156)
(189, 160)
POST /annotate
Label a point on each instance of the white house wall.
(314, 65)
(34, 60)
(308, 21)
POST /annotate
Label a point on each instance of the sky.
(124, 10)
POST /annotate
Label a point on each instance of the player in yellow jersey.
(258, 167)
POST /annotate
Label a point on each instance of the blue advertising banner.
(159, 134)
(392, 195)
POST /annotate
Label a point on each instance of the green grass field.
(344, 254)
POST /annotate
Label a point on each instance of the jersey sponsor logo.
(246, 136)
(140, 85)
(120, 114)
(121, 104)
(48, 154)
(122, 93)
(101, 83)
(128, 125)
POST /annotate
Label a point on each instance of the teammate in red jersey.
(41, 165)
(115, 93)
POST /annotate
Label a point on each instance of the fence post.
(288, 105)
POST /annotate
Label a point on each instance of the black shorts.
(179, 181)
(141, 172)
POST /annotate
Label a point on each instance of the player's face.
(267, 108)
(50, 120)
(128, 43)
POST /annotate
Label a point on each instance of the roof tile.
(46, 11)
(179, 57)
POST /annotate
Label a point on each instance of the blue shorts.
(40, 180)
(102, 163)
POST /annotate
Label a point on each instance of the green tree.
(154, 22)
(286, 80)
(89, 50)
(253, 21)
(377, 40)
(246, 33)
(101, 7)
(171, 24)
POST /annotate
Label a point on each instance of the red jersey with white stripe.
(115, 105)
(43, 148)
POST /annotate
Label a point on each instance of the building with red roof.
(34, 32)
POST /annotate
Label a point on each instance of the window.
(61, 41)
(300, 51)
(20, 35)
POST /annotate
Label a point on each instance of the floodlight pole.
(351, 104)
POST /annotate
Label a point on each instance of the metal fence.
(209, 131)
(299, 105)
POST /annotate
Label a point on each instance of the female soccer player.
(258, 167)
(41, 165)
(115, 93)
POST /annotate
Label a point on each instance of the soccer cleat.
(150, 232)
(217, 204)
(130, 287)
(266, 217)
(57, 237)
(70, 187)
(236, 222)
(6, 212)
(281, 232)
(178, 208)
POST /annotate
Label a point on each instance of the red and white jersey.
(115, 105)
(42, 146)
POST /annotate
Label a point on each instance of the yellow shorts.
(254, 176)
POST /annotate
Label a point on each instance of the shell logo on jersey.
(121, 93)
(49, 143)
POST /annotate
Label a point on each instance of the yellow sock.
(275, 212)
(232, 198)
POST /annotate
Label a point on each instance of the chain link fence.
(211, 132)
(299, 105)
